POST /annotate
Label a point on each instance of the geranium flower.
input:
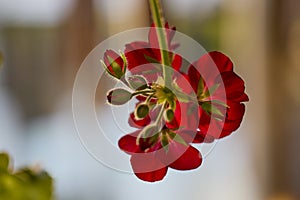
(175, 109)
(220, 93)
(149, 158)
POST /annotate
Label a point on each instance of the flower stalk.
(159, 22)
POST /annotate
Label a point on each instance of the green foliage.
(24, 184)
(1, 60)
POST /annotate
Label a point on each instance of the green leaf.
(118, 96)
(4, 162)
(1, 60)
(137, 82)
(26, 184)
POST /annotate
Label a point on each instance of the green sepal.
(150, 131)
(220, 103)
(181, 96)
(211, 109)
(212, 90)
(116, 68)
(177, 138)
(200, 87)
(165, 142)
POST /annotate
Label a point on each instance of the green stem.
(145, 92)
(161, 112)
(157, 16)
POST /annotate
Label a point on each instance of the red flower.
(149, 158)
(202, 105)
(220, 93)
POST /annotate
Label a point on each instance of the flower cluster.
(177, 106)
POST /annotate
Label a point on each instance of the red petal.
(210, 65)
(147, 168)
(128, 143)
(210, 126)
(190, 159)
(177, 61)
(153, 176)
(234, 87)
(235, 111)
(138, 123)
(194, 77)
(221, 61)
(195, 136)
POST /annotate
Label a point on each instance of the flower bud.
(115, 64)
(137, 82)
(169, 115)
(141, 111)
(118, 96)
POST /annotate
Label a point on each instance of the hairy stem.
(159, 22)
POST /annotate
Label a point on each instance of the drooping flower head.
(202, 104)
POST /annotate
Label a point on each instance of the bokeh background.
(44, 42)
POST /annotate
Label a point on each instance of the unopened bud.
(118, 96)
(141, 111)
(169, 115)
(114, 64)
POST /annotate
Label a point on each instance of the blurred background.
(44, 43)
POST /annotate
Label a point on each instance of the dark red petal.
(193, 136)
(147, 168)
(153, 176)
(234, 117)
(128, 143)
(133, 122)
(194, 77)
(221, 61)
(177, 61)
(203, 138)
(210, 126)
(190, 159)
(235, 111)
(234, 87)
(136, 56)
(210, 65)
